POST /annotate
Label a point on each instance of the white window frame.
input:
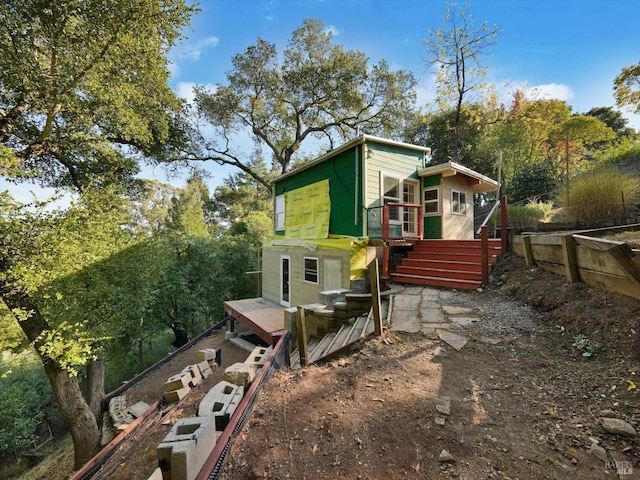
(425, 211)
(310, 271)
(279, 213)
(459, 206)
(387, 199)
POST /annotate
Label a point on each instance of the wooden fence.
(609, 265)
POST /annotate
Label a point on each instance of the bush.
(600, 195)
(527, 216)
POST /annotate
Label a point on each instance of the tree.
(456, 54)
(614, 120)
(83, 87)
(83, 97)
(626, 87)
(316, 90)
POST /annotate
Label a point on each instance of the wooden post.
(484, 240)
(503, 224)
(385, 222)
(301, 326)
(375, 296)
(528, 251)
(570, 262)
(385, 259)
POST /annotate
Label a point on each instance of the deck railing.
(407, 210)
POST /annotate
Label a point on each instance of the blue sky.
(568, 49)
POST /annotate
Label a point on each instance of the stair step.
(438, 264)
(436, 281)
(493, 242)
(439, 273)
(319, 351)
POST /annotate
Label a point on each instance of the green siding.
(340, 170)
(433, 223)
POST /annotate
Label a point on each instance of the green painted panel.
(341, 172)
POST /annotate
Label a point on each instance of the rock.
(440, 420)
(446, 457)
(618, 427)
(444, 408)
(608, 414)
(599, 452)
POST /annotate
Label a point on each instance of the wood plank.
(569, 257)
(547, 253)
(598, 261)
(375, 296)
(610, 283)
(301, 327)
(528, 252)
(601, 243)
(546, 240)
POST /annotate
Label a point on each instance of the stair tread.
(318, 352)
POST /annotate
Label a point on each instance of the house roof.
(479, 182)
(346, 146)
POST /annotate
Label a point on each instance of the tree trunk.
(180, 334)
(93, 391)
(75, 411)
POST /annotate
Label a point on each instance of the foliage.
(618, 153)
(627, 88)
(456, 54)
(531, 180)
(82, 85)
(600, 195)
(528, 215)
(587, 348)
(25, 396)
(615, 121)
(314, 90)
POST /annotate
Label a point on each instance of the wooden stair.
(446, 263)
(349, 333)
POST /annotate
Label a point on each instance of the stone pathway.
(424, 309)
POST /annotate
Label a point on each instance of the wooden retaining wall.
(609, 265)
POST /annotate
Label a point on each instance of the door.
(409, 215)
(285, 281)
(332, 274)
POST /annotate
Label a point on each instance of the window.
(279, 212)
(391, 194)
(310, 269)
(458, 202)
(431, 201)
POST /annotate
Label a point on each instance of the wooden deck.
(264, 318)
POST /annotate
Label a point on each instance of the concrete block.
(180, 380)
(221, 402)
(240, 374)
(176, 395)
(207, 354)
(118, 411)
(156, 475)
(186, 447)
(259, 356)
(138, 409)
(196, 376)
(205, 369)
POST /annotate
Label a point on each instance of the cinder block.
(118, 411)
(259, 356)
(221, 402)
(196, 376)
(207, 354)
(138, 409)
(178, 381)
(205, 369)
(240, 374)
(176, 395)
(186, 447)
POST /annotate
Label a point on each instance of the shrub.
(528, 215)
(600, 195)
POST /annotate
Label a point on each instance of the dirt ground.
(524, 398)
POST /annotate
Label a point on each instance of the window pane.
(431, 195)
(391, 187)
(311, 270)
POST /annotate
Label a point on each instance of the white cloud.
(333, 30)
(550, 90)
(185, 89)
(193, 51)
